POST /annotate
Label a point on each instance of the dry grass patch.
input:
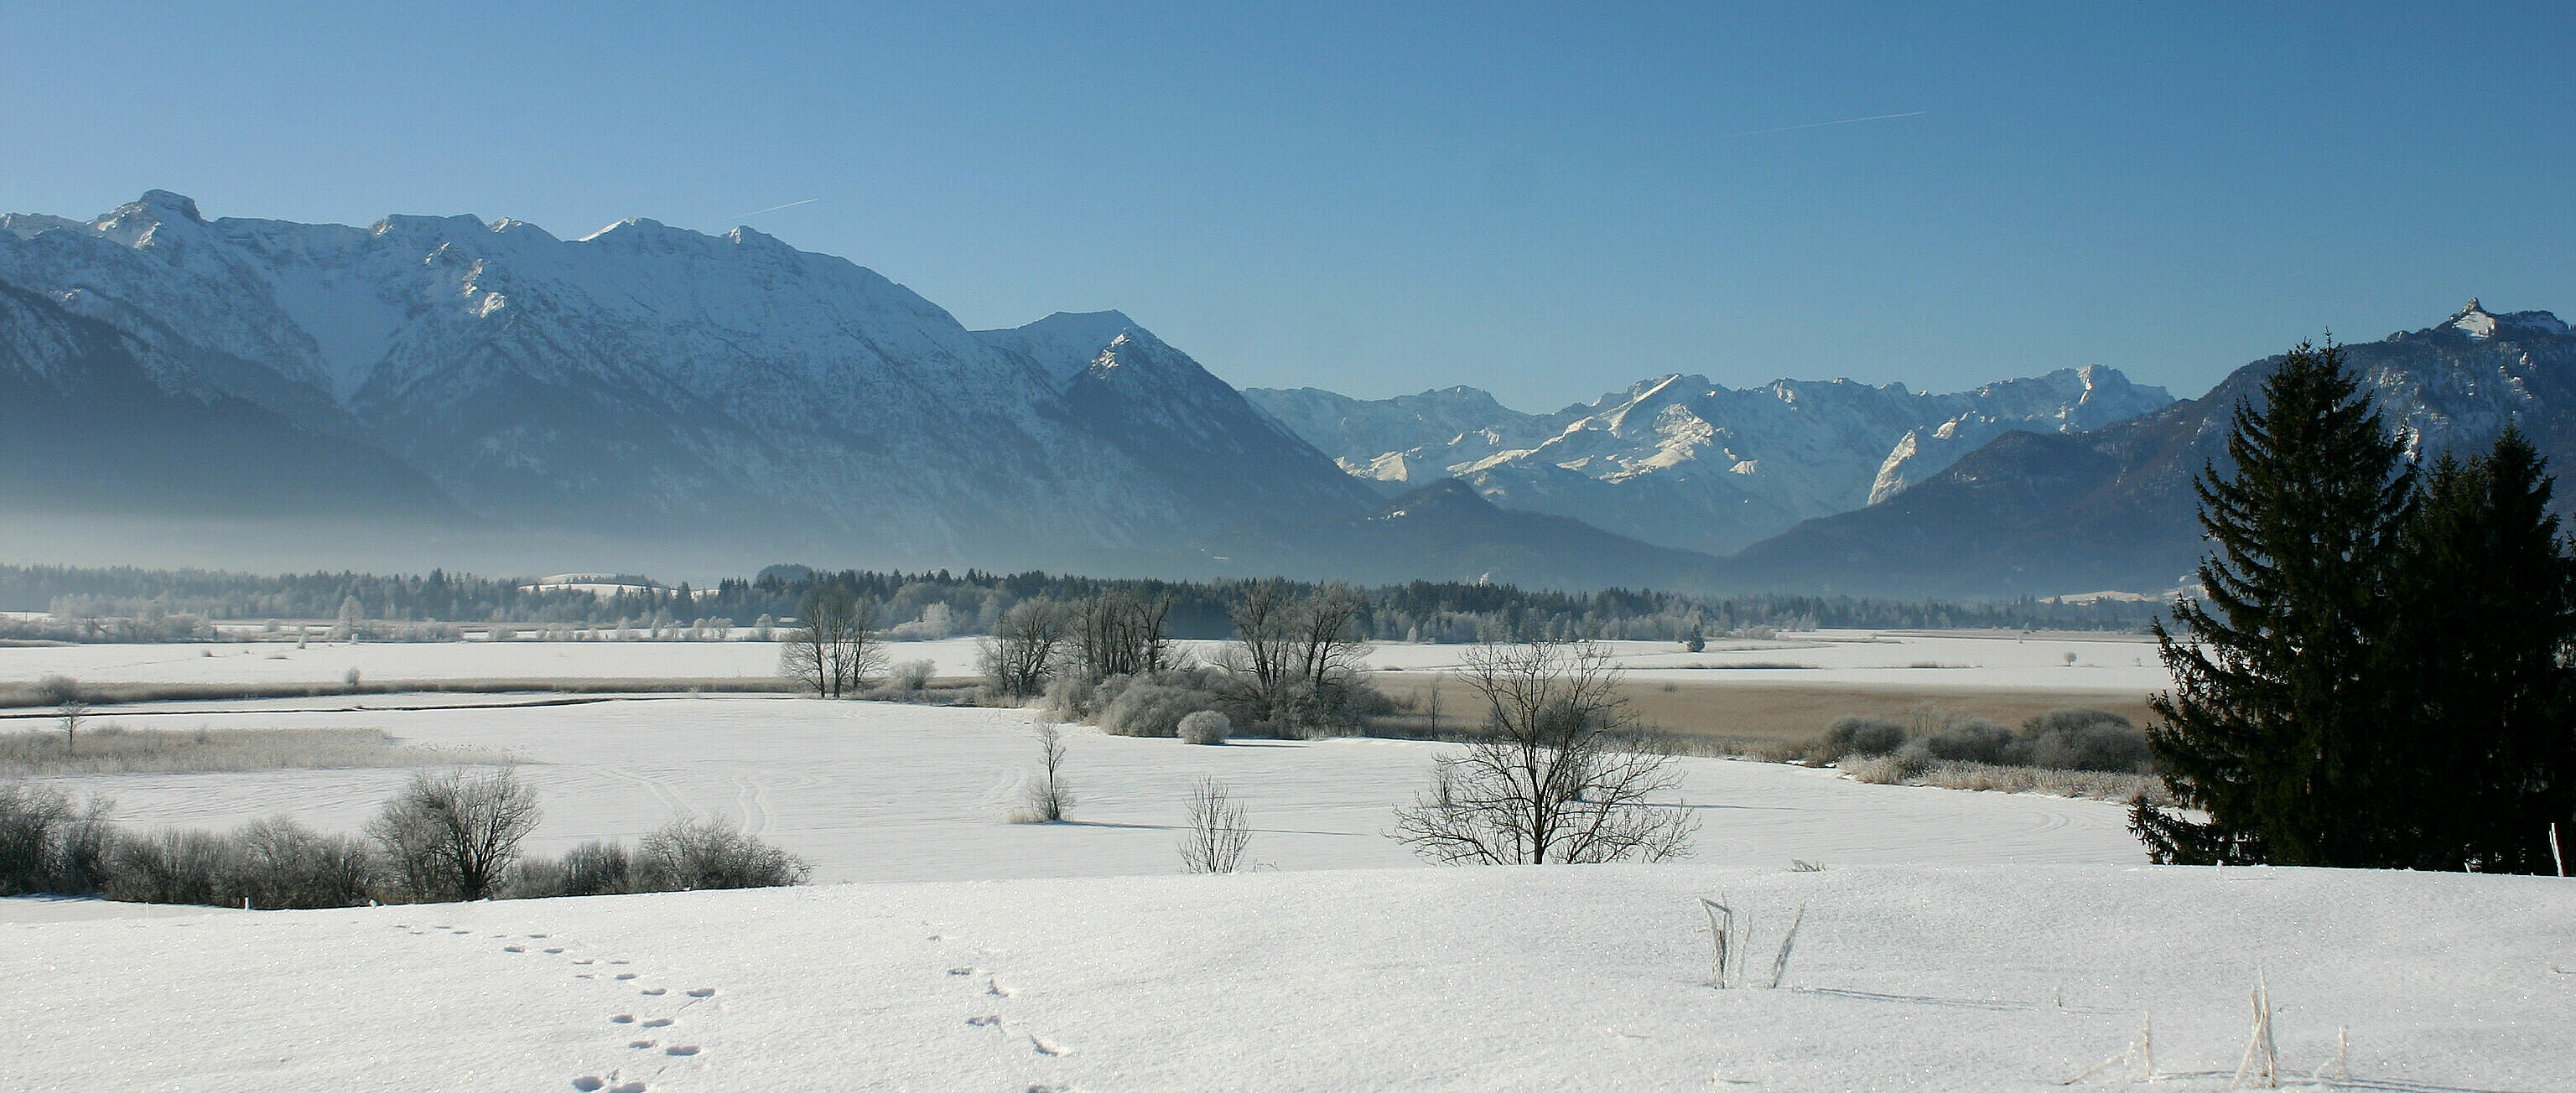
(1901, 770)
(1741, 713)
(28, 695)
(114, 749)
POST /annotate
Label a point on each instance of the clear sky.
(1385, 197)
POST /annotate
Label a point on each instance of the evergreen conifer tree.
(2279, 719)
(2486, 600)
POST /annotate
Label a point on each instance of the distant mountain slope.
(2112, 508)
(1446, 531)
(728, 392)
(93, 420)
(1682, 462)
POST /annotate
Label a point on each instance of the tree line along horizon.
(133, 604)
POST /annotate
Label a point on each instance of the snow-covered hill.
(677, 385)
(1681, 462)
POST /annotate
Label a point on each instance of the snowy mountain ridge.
(686, 383)
(1679, 461)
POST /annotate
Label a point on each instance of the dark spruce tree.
(2279, 725)
(2486, 601)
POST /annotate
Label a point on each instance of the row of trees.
(124, 604)
(2383, 673)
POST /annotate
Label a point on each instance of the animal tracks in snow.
(613, 1081)
(995, 991)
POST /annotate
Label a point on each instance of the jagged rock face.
(662, 381)
(1681, 462)
(2112, 508)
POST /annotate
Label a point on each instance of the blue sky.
(1381, 198)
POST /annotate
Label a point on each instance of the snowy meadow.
(1944, 939)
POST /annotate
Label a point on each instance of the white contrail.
(1819, 125)
(790, 205)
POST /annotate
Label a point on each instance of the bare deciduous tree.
(1548, 782)
(1120, 633)
(453, 836)
(1218, 830)
(1025, 648)
(1049, 799)
(835, 651)
(67, 697)
(1295, 662)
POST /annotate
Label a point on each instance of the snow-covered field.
(2104, 662)
(881, 792)
(1921, 977)
(1953, 941)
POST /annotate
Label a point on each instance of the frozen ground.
(2103, 662)
(1953, 941)
(882, 792)
(1920, 977)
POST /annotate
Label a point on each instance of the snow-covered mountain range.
(2112, 508)
(654, 381)
(1681, 462)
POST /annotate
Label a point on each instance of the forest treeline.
(125, 603)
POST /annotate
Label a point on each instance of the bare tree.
(1218, 830)
(1295, 662)
(1120, 633)
(1548, 782)
(453, 836)
(1025, 648)
(1049, 799)
(836, 651)
(67, 697)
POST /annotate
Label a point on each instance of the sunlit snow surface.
(1904, 977)
(1954, 940)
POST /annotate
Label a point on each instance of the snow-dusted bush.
(173, 867)
(691, 855)
(597, 868)
(1151, 705)
(1859, 736)
(1204, 727)
(50, 843)
(911, 675)
(1071, 698)
(279, 863)
(2083, 739)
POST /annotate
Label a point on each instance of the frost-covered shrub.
(1968, 739)
(1859, 736)
(911, 675)
(283, 864)
(2083, 739)
(1151, 705)
(690, 855)
(1204, 727)
(598, 868)
(173, 867)
(49, 843)
(1072, 698)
